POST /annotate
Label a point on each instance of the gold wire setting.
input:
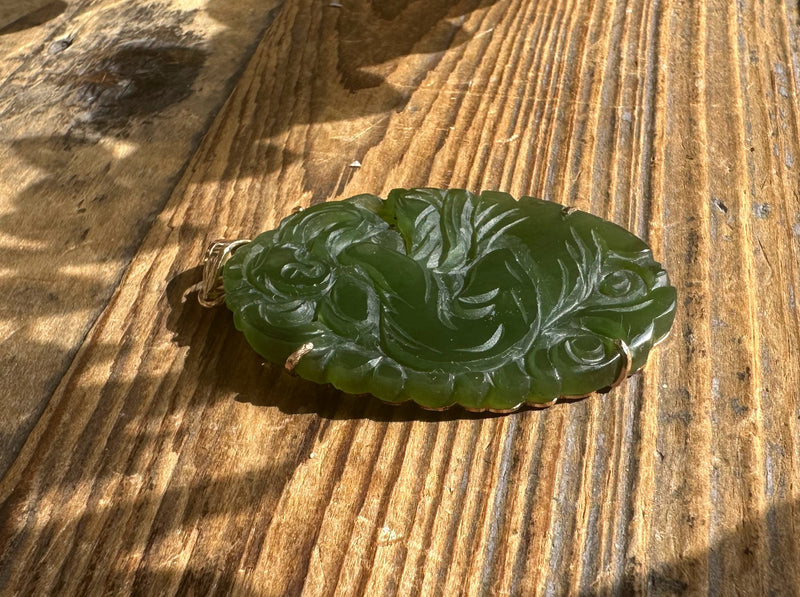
(298, 354)
(627, 358)
(212, 291)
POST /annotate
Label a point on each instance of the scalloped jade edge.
(445, 297)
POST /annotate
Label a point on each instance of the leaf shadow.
(671, 577)
(35, 18)
(139, 528)
(86, 210)
(121, 90)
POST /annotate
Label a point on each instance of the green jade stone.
(446, 297)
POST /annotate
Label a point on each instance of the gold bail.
(212, 291)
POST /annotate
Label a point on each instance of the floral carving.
(446, 297)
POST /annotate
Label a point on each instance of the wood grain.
(101, 106)
(15, 15)
(170, 460)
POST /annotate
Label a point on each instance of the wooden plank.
(170, 460)
(15, 15)
(101, 105)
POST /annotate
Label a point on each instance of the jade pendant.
(445, 297)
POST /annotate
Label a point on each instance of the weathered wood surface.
(101, 106)
(170, 460)
(15, 15)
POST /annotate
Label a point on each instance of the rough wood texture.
(15, 15)
(170, 461)
(101, 107)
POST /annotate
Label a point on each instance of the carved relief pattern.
(446, 297)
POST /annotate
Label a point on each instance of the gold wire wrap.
(212, 291)
(627, 359)
(298, 354)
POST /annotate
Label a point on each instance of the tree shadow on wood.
(128, 540)
(761, 552)
(670, 578)
(121, 89)
(179, 508)
(35, 18)
(114, 92)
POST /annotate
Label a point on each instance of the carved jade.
(445, 297)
